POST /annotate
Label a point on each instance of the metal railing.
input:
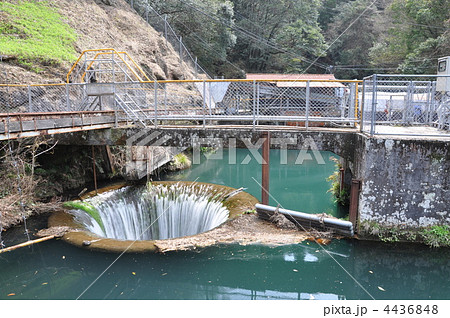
(406, 105)
(256, 102)
(105, 65)
(160, 24)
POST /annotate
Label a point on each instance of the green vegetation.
(179, 162)
(434, 236)
(437, 235)
(88, 208)
(33, 32)
(342, 197)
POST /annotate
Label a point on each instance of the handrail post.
(210, 103)
(204, 104)
(363, 97)
(254, 103)
(356, 103)
(258, 99)
(307, 101)
(30, 102)
(67, 97)
(156, 102)
(374, 105)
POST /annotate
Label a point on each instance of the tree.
(420, 33)
(276, 35)
(351, 35)
(206, 28)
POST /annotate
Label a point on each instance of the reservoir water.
(56, 270)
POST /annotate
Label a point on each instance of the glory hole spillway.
(57, 270)
(130, 218)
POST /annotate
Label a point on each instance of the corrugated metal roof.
(311, 84)
(293, 77)
(298, 80)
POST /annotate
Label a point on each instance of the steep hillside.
(95, 24)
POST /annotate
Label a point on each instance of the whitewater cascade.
(152, 213)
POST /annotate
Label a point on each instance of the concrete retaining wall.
(405, 182)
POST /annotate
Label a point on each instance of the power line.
(255, 37)
(192, 32)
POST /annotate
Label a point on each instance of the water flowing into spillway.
(154, 212)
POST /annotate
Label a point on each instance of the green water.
(56, 270)
(300, 187)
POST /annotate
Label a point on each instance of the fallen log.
(27, 243)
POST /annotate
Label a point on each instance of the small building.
(280, 95)
(286, 93)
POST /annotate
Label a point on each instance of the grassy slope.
(35, 34)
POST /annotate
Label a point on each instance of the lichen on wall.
(405, 182)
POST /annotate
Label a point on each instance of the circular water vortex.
(80, 235)
(155, 212)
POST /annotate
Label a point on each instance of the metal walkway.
(106, 88)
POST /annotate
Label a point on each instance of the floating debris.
(57, 231)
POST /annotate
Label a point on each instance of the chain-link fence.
(160, 24)
(406, 105)
(299, 103)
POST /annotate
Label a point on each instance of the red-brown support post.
(341, 181)
(265, 168)
(354, 198)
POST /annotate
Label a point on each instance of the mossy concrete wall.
(404, 182)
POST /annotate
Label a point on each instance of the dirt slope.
(106, 24)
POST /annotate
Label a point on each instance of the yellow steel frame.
(109, 51)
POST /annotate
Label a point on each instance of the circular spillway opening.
(131, 218)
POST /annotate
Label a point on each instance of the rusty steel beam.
(45, 132)
(265, 168)
(354, 199)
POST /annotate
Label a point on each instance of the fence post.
(258, 98)
(67, 97)
(30, 102)
(156, 102)
(352, 104)
(254, 103)
(146, 12)
(204, 104)
(363, 97)
(165, 98)
(210, 101)
(307, 104)
(374, 105)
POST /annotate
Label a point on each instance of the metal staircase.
(106, 75)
